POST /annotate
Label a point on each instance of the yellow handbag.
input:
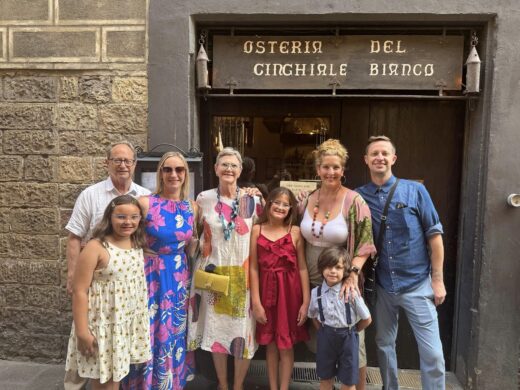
(212, 282)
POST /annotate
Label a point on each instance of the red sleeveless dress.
(280, 292)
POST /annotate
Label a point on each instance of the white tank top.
(335, 231)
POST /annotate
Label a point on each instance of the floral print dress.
(219, 323)
(169, 227)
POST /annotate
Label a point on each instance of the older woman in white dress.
(218, 323)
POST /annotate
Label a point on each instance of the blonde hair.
(376, 138)
(331, 147)
(185, 188)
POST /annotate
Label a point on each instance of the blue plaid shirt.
(404, 259)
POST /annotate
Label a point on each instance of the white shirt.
(334, 307)
(91, 204)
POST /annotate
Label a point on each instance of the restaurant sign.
(416, 62)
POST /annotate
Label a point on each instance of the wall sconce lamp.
(473, 68)
(202, 65)
(513, 200)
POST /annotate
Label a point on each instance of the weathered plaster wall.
(487, 331)
(73, 79)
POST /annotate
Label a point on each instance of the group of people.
(138, 316)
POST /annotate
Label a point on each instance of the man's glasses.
(231, 166)
(178, 170)
(282, 205)
(119, 161)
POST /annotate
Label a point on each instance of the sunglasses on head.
(178, 170)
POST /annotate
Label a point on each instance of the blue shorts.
(337, 354)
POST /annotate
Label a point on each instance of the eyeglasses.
(231, 166)
(124, 217)
(119, 161)
(282, 205)
(178, 170)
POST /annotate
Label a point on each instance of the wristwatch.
(354, 269)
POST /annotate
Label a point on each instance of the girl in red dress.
(279, 285)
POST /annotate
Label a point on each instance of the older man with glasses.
(89, 209)
(91, 203)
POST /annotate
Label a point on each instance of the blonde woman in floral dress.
(169, 229)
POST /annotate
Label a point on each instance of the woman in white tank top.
(335, 215)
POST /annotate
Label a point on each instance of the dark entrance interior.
(280, 133)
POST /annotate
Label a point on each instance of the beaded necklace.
(230, 226)
(315, 212)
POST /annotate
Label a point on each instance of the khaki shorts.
(311, 344)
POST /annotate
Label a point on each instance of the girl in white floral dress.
(109, 302)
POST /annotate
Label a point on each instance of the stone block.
(35, 221)
(124, 44)
(105, 10)
(72, 143)
(28, 195)
(68, 88)
(23, 246)
(27, 116)
(100, 169)
(44, 320)
(45, 348)
(20, 11)
(63, 264)
(95, 89)
(2, 54)
(39, 168)
(5, 225)
(31, 296)
(4, 245)
(120, 118)
(30, 142)
(77, 117)
(96, 143)
(10, 168)
(52, 44)
(64, 219)
(130, 90)
(68, 193)
(65, 302)
(140, 140)
(30, 272)
(30, 89)
(75, 170)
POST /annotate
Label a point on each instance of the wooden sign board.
(299, 186)
(415, 62)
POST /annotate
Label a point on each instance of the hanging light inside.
(202, 65)
(473, 68)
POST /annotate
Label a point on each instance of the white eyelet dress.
(117, 317)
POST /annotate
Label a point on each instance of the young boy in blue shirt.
(338, 322)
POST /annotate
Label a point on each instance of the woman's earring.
(317, 178)
(343, 179)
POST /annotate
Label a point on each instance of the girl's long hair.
(104, 227)
(292, 215)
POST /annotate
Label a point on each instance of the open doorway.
(281, 133)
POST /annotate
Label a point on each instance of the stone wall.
(73, 80)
